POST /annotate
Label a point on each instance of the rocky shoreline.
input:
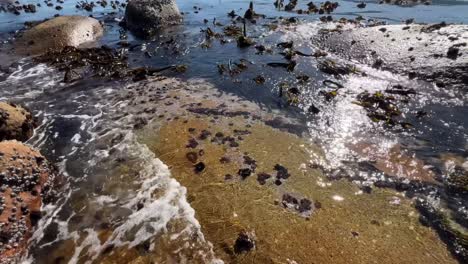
(27, 181)
(256, 182)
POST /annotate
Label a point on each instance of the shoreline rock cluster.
(26, 181)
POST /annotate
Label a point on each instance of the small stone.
(305, 205)
(282, 172)
(245, 242)
(224, 160)
(244, 173)
(192, 156)
(199, 167)
(192, 143)
(262, 178)
(453, 53)
(204, 134)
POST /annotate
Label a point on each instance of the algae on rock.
(345, 226)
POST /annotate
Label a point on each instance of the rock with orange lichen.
(26, 179)
(15, 122)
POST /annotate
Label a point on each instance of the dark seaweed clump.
(98, 62)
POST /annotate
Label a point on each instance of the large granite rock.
(144, 17)
(437, 53)
(26, 179)
(15, 122)
(58, 33)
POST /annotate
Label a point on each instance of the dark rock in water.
(145, 17)
(259, 79)
(224, 160)
(334, 68)
(251, 162)
(15, 122)
(453, 53)
(262, 178)
(302, 206)
(199, 167)
(140, 122)
(305, 205)
(244, 173)
(250, 14)
(313, 109)
(244, 42)
(291, 5)
(282, 172)
(204, 134)
(294, 91)
(289, 66)
(285, 45)
(400, 91)
(245, 242)
(289, 200)
(192, 156)
(71, 76)
(366, 189)
(232, 14)
(361, 5)
(192, 143)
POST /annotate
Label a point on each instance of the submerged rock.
(144, 17)
(15, 122)
(436, 53)
(59, 32)
(26, 179)
(245, 242)
(286, 222)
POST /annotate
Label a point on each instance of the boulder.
(144, 17)
(15, 122)
(59, 32)
(437, 53)
(26, 179)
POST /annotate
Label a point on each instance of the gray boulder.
(437, 53)
(145, 17)
(59, 32)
